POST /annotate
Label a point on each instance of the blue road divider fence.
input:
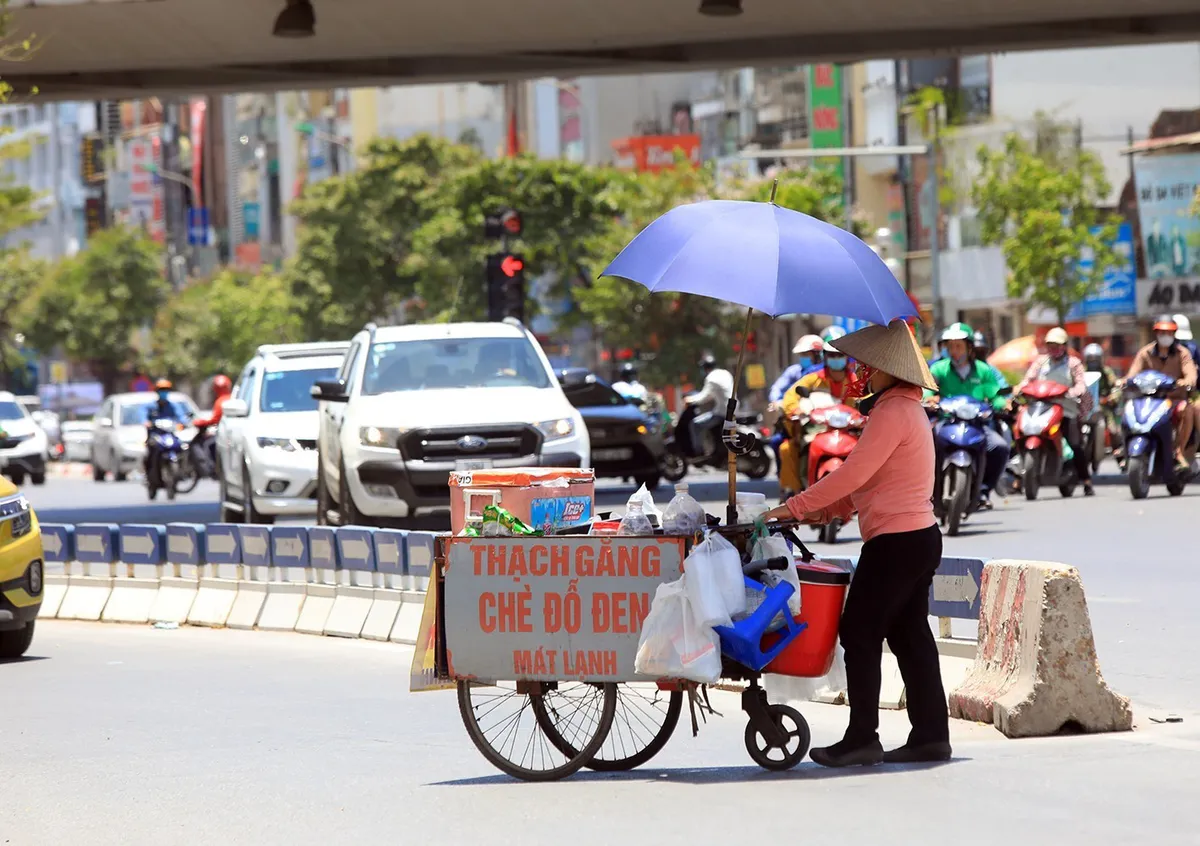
(351, 581)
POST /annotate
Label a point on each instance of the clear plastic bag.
(716, 588)
(773, 546)
(830, 687)
(643, 496)
(672, 644)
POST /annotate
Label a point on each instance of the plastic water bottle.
(635, 521)
(684, 516)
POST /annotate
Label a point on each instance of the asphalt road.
(127, 735)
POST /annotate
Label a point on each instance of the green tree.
(1041, 204)
(94, 305)
(215, 325)
(566, 209)
(355, 234)
(20, 275)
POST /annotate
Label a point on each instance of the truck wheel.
(15, 643)
(346, 509)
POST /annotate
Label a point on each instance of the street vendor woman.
(888, 481)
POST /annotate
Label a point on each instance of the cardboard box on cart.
(546, 498)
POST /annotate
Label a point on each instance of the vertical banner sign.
(145, 193)
(825, 112)
(540, 609)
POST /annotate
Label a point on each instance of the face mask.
(805, 361)
(163, 395)
(1165, 340)
(836, 364)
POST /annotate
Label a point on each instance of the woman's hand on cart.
(782, 514)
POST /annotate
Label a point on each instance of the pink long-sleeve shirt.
(887, 478)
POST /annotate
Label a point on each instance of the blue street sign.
(955, 590)
(256, 545)
(356, 548)
(322, 547)
(143, 544)
(224, 544)
(389, 551)
(250, 219)
(186, 543)
(96, 543)
(289, 546)
(1117, 292)
(420, 554)
(851, 324)
(58, 542)
(198, 227)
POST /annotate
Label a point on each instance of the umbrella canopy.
(1017, 354)
(771, 259)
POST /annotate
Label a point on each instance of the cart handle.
(753, 568)
(789, 532)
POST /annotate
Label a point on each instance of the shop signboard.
(1168, 296)
(654, 153)
(1166, 189)
(549, 608)
(1117, 292)
(826, 109)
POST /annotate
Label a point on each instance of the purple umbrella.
(769, 259)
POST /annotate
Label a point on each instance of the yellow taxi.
(21, 572)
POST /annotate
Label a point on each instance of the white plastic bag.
(672, 644)
(830, 687)
(774, 546)
(648, 507)
(715, 586)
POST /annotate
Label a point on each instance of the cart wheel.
(505, 726)
(793, 724)
(644, 721)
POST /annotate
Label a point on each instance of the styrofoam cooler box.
(544, 498)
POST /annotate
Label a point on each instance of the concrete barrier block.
(54, 588)
(351, 608)
(174, 600)
(385, 607)
(247, 607)
(408, 621)
(281, 611)
(85, 598)
(891, 688)
(1036, 671)
(213, 602)
(318, 603)
(131, 600)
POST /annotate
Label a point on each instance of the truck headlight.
(557, 429)
(386, 437)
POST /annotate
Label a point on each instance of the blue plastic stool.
(743, 640)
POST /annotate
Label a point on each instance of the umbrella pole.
(730, 409)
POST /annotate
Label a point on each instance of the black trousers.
(889, 600)
(1073, 432)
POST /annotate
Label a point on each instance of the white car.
(411, 404)
(267, 437)
(77, 437)
(24, 447)
(119, 439)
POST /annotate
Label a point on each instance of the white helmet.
(1184, 332)
(808, 343)
(1057, 335)
(831, 333)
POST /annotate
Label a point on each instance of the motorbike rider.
(713, 397)
(162, 409)
(981, 350)
(222, 388)
(1093, 362)
(627, 384)
(1183, 334)
(833, 378)
(959, 373)
(808, 359)
(1168, 356)
(1057, 365)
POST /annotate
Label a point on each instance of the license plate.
(469, 464)
(611, 454)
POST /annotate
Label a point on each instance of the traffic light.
(505, 224)
(505, 286)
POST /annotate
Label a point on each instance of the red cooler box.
(822, 595)
(546, 498)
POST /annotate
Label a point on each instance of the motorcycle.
(839, 426)
(1147, 426)
(1046, 457)
(681, 453)
(962, 447)
(165, 450)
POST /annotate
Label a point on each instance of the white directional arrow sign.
(322, 550)
(181, 545)
(138, 544)
(388, 552)
(91, 543)
(419, 556)
(356, 549)
(52, 543)
(221, 543)
(955, 589)
(292, 548)
(255, 545)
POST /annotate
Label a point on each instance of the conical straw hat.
(892, 349)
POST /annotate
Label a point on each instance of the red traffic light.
(511, 266)
(511, 221)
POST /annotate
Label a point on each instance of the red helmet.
(221, 384)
